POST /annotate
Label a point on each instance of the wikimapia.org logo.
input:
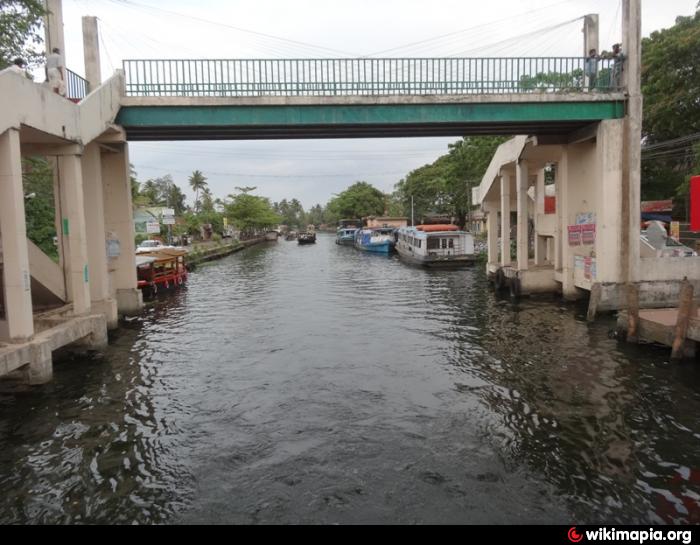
(636, 536)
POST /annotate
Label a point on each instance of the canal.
(319, 384)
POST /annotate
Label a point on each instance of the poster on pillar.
(574, 235)
(588, 232)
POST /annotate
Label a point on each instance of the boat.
(307, 238)
(160, 270)
(271, 235)
(345, 237)
(292, 235)
(436, 246)
(380, 240)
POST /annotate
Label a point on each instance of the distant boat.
(271, 235)
(380, 240)
(436, 246)
(346, 237)
(307, 238)
(292, 235)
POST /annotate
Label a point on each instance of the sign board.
(574, 235)
(114, 248)
(153, 227)
(168, 220)
(167, 212)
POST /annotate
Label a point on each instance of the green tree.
(39, 204)
(162, 191)
(358, 201)
(197, 182)
(20, 23)
(671, 89)
(445, 186)
(250, 213)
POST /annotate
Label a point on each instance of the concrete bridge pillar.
(522, 244)
(565, 213)
(591, 33)
(18, 323)
(96, 237)
(492, 232)
(71, 210)
(540, 242)
(120, 226)
(506, 256)
(91, 52)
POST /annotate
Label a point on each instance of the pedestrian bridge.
(366, 97)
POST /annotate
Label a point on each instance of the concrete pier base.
(109, 309)
(32, 361)
(129, 301)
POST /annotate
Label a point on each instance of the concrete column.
(120, 225)
(505, 220)
(74, 232)
(19, 320)
(567, 256)
(559, 234)
(53, 26)
(96, 237)
(540, 242)
(631, 179)
(40, 370)
(91, 52)
(521, 180)
(591, 33)
(492, 227)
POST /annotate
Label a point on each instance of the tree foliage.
(358, 201)
(671, 89)
(39, 204)
(444, 186)
(162, 191)
(250, 213)
(198, 183)
(20, 22)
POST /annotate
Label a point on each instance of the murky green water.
(319, 384)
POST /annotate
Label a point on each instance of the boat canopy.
(440, 228)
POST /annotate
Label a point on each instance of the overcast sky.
(314, 170)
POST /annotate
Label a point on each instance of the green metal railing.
(369, 77)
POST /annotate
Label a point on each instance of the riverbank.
(202, 253)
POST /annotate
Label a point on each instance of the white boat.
(436, 246)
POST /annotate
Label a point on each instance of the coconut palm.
(197, 182)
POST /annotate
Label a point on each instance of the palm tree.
(197, 183)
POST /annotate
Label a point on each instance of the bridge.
(590, 131)
(341, 98)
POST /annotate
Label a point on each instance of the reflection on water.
(320, 384)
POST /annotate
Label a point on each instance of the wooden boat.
(164, 269)
(307, 238)
(436, 246)
(292, 235)
(379, 240)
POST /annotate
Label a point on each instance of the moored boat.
(378, 240)
(345, 237)
(292, 235)
(160, 270)
(436, 246)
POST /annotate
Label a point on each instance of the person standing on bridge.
(591, 69)
(618, 66)
(55, 70)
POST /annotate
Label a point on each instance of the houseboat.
(161, 270)
(379, 240)
(436, 246)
